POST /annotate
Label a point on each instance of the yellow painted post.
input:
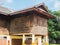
(47, 42)
(39, 41)
(8, 40)
(44, 40)
(23, 40)
(33, 39)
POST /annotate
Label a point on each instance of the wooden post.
(39, 41)
(47, 42)
(23, 40)
(33, 39)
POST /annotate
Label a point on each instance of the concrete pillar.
(44, 40)
(23, 40)
(47, 41)
(9, 40)
(33, 39)
(39, 41)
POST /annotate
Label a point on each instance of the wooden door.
(16, 41)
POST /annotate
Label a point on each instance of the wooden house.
(26, 27)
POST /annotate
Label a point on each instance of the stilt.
(23, 40)
(47, 42)
(39, 41)
(33, 39)
(9, 40)
(44, 40)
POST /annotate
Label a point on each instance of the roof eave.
(41, 11)
(45, 13)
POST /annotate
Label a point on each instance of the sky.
(53, 5)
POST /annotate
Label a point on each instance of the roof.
(4, 10)
(41, 9)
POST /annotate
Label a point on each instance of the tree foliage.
(54, 26)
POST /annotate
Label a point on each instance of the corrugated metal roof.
(39, 8)
(5, 10)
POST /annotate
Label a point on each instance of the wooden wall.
(20, 25)
(29, 24)
(39, 25)
(3, 27)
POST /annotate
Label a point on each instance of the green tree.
(54, 26)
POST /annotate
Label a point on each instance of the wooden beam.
(23, 34)
(16, 37)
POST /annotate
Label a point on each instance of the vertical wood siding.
(29, 24)
(3, 27)
(20, 25)
(39, 25)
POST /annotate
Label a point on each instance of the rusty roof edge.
(45, 13)
(22, 11)
(30, 9)
(35, 9)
